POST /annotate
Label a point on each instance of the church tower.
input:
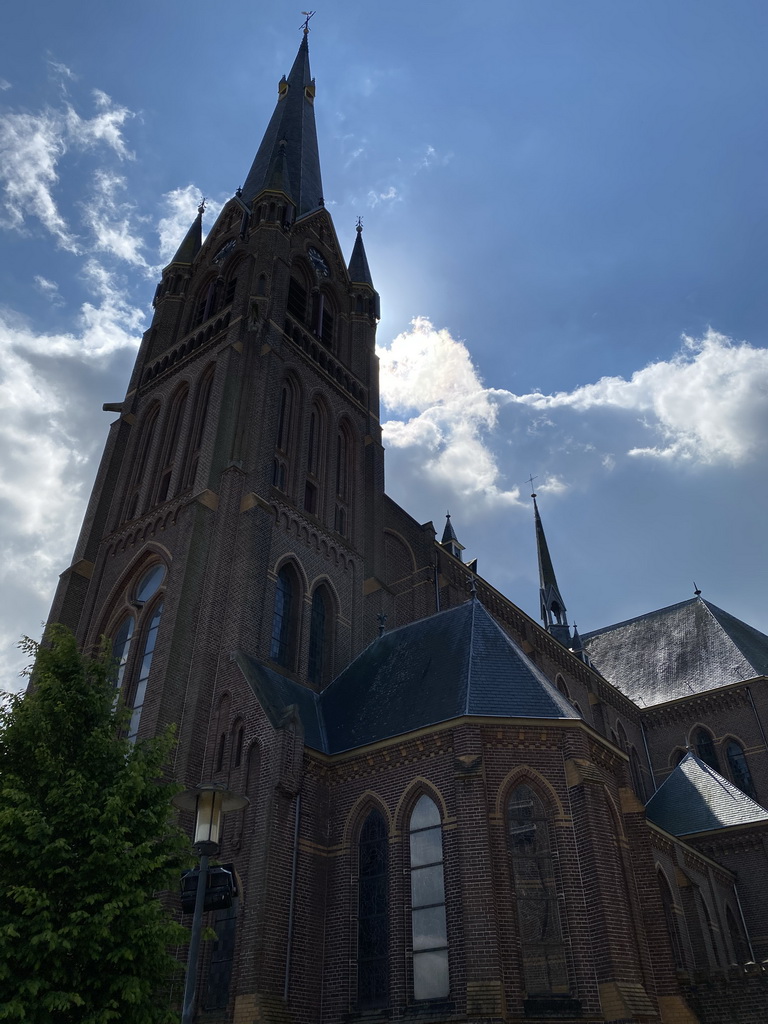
(235, 502)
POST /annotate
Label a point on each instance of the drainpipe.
(743, 922)
(757, 717)
(297, 818)
(648, 755)
(437, 588)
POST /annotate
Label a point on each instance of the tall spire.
(292, 123)
(552, 605)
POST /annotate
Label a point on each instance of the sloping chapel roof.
(695, 798)
(677, 651)
(455, 663)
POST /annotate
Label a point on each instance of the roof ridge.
(638, 618)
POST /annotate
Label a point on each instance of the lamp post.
(210, 802)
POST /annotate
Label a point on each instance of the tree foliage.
(86, 844)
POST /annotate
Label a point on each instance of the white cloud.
(387, 196)
(31, 148)
(4, 84)
(49, 289)
(709, 403)
(428, 372)
(109, 218)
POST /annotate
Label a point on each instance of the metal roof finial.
(309, 14)
(696, 590)
(359, 227)
(201, 207)
(530, 481)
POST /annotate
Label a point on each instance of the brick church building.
(456, 813)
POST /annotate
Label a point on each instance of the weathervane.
(309, 14)
(530, 481)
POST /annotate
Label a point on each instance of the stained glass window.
(428, 925)
(120, 647)
(372, 914)
(533, 875)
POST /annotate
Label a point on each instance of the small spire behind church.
(553, 612)
(450, 541)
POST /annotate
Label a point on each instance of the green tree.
(86, 843)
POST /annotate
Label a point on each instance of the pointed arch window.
(284, 437)
(198, 428)
(670, 919)
(533, 876)
(313, 501)
(705, 749)
(146, 437)
(133, 665)
(428, 924)
(297, 299)
(284, 617)
(170, 445)
(739, 769)
(320, 636)
(372, 914)
(343, 479)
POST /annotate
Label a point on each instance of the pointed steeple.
(450, 541)
(359, 271)
(292, 123)
(552, 605)
(192, 241)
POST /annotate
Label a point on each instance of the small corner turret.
(553, 612)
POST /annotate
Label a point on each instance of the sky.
(565, 214)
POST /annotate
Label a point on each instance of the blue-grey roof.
(292, 123)
(677, 651)
(455, 663)
(695, 798)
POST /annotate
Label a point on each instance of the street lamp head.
(210, 801)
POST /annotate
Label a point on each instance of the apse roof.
(455, 663)
(677, 651)
(695, 798)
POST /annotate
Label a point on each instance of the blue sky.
(566, 217)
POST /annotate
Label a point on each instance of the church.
(456, 813)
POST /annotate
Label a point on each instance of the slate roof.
(677, 651)
(695, 798)
(292, 122)
(455, 663)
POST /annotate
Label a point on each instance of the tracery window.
(739, 769)
(705, 749)
(372, 914)
(284, 617)
(533, 876)
(428, 924)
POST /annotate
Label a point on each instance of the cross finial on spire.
(359, 227)
(201, 207)
(308, 15)
(473, 586)
(530, 481)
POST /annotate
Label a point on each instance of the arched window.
(372, 916)
(284, 617)
(428, 925)
(284, 437)
(705, 749)
(133, 664)
(560, 683)
(237, 740)
(198, 427)
(313, 502)
(670, 919)
(533, 877)
(320, 636)
(739, 769)
(170, 445)
(622, 735)
(343, 479)
(297, 299)
(146, 438)
(637, 774)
